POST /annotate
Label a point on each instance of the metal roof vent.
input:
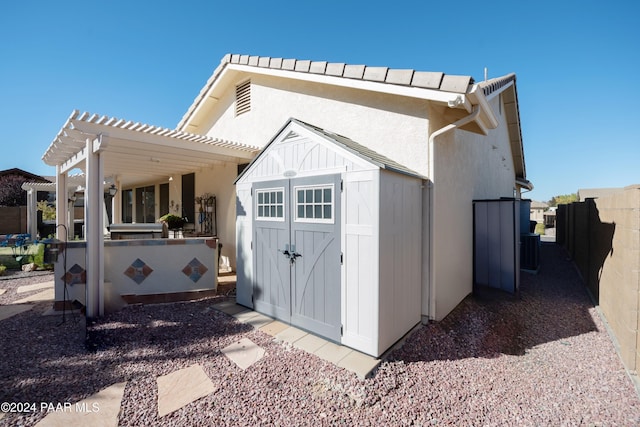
(243, 98)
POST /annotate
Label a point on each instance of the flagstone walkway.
(184, 386)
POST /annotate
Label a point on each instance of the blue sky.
(576, 64)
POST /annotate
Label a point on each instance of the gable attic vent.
(291, 135)
(243, 98)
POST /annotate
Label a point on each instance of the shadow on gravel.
(551, 305)
(45, 361)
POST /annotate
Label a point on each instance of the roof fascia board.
(499, 90)
(203, 98)
(413, 92)
(168, 141)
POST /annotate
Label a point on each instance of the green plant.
(173, 221)
(2, 269)
(540, 229)
(38, 256)
(48, 211)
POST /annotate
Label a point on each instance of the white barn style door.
(297, 253)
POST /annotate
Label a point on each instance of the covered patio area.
(149, 168)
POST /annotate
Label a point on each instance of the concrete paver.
(310, 343)
(35, 287)
(182, 387)
(224, 304)
(359, 363)
(344, 357)
(243, 353)
(48, 295)
(259, 320)
(274, 328)
(7, 311)
(233, 309)
(101, 409)
(245, 315)
(290, 335)
(332, 353)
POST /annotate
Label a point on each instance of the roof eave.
(432, 86)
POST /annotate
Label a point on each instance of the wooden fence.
(13, 220)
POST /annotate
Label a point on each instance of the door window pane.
(270, 204)
(314, 203)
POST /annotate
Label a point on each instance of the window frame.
(269, 204)
(314, 203)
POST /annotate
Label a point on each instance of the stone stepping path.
(101, 409)
(182, 387)
(2, 291)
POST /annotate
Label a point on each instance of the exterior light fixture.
(112, 190)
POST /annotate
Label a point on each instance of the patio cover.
(127, 153)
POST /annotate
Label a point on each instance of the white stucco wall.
(219, 181)
(395, 129)
(469, 166)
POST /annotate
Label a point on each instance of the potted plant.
(173, 222)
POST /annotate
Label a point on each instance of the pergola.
(125, 153)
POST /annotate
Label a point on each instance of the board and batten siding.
(244, 259)
(361, 260)
(400, 257)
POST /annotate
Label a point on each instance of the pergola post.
(32, 212)
(94, 219)
(116, 203)
(62, 205)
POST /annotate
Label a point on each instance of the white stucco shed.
(329, 238)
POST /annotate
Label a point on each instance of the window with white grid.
(314, 203)
(270, 204)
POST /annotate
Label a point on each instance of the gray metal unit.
(138, 231)
(496, 244)
(530, 252)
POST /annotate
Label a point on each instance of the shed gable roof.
(352, 148)
(363, 152)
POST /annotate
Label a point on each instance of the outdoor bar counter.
(140, 271)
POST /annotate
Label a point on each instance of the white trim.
(382, 87)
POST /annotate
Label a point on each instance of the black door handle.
(285, 253)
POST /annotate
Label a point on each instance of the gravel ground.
(541, 358)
